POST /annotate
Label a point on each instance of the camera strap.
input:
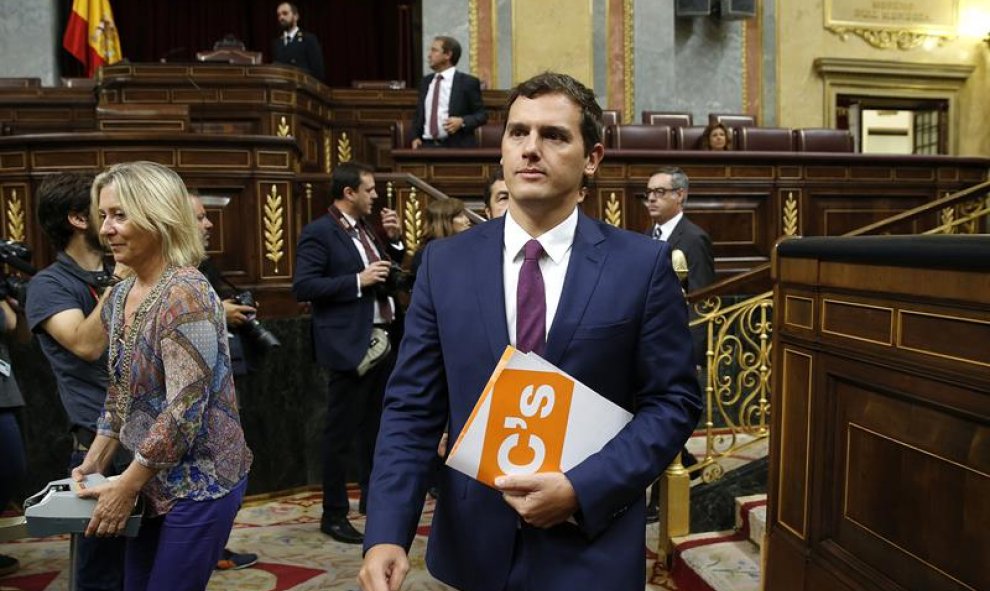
(366, 237)
(96, 281)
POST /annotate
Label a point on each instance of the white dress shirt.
(443, 107)
(667, 228)
(556, 244)
(364, 258)
(288, 36)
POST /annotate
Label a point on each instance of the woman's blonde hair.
(440, 214)
(155, 199)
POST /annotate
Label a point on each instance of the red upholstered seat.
(732, 119)
(668, 118)
(611, 117)
(641, 137)
(688, 138)
(764, 139)
(489, 135)
(823, 140)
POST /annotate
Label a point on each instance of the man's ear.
(77, 220)
(594, 159)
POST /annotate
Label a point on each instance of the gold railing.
(737, 370)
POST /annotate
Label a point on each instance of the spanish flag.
(91, 35)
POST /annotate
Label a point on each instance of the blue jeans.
(100, 561)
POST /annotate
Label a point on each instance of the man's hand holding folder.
(531, 424)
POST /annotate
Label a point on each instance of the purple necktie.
(531, 302)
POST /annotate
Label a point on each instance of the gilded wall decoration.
(613, 211)
(274, 240)
(15, 217)
(283, 128)
(893, 24)
(790, 215)
(413, 222)
(327, 152)
(343, 148)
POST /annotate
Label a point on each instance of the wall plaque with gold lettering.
(888, 24)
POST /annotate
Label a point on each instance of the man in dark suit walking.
(293, 47)
(450, 105)
(341, 269)
(603, 305)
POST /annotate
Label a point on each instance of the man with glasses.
(666, 192)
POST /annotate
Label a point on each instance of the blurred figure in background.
(716, 137)
(444, 217)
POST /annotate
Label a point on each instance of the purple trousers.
(178, 551)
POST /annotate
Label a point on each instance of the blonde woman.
(171, 393)
(444, 217)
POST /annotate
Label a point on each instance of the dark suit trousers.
(354, 409)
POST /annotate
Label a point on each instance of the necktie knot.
(533, 250)
(657, 233)
(439, 78)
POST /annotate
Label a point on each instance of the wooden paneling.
(879, 464)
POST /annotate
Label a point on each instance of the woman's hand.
(114, 503)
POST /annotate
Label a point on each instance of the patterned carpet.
(293, 554)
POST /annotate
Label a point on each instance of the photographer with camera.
(239, 310)
(346, 272)
(63, 308)
(12, 461)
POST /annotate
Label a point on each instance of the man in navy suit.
(293, 47)
(341, 268)
(609, 313)
(450, 105)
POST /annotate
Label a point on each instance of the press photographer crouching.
(63, 307)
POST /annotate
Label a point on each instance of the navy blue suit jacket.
(465, 102)
(327, 262)
(620, 328)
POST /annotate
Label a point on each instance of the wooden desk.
(879, 463)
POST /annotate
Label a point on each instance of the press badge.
(4, 368)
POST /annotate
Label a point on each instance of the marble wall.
(29, 40)
(449, 18)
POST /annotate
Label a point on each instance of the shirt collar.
(668, 227)
(448, 74)
(291, 34)
(555, 241)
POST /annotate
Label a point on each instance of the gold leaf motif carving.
(327, 152)
(891, 38)
(343, 148)
(790, 215)
(283, 128)
(274, 241)
(15, 217)
(613, 211)
(413, 218)
(947, 215)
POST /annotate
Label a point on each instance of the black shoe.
(652, 514)
(8, 565)
(341, 530)
(363, 506)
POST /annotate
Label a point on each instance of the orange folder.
(532, 417)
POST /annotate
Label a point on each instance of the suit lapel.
(586, 263)
(345, 241)
(675, 236)
(453, 107)
(489, 287)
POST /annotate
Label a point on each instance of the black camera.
(398, 280)
(252, 330)
(18, 256)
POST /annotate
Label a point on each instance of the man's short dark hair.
(451, 46)
(678, 179)
(292, 7)
(497, 175)
(59, 196)
(347, 175)
(580, 95)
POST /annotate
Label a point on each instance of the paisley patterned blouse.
(171, 395)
